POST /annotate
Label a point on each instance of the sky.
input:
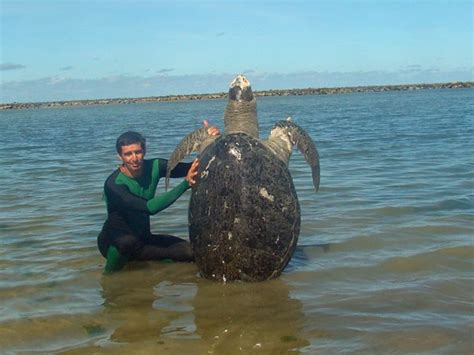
(88, 49)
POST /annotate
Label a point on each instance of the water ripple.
(384, 259)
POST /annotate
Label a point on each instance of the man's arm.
(121, 198)
(161, 202)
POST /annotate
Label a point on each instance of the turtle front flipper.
(286, 134)
(196, 141)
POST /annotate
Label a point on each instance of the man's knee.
(128, 245)
(183, 251)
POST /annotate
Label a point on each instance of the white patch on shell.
(205, 172)
(210, 162)
(229, 235)
(236, 153)
(264, 193)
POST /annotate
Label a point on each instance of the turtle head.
(240, 89)
(240, 114)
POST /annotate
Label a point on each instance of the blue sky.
(81, 49)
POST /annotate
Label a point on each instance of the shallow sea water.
(384, 262)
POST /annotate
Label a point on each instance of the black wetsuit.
(130, 202)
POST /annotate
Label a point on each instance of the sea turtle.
(244, 215)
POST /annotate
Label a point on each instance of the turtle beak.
(240, 89)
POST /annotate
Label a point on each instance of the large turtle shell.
(244, 216)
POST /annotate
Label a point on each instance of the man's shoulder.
(112, 178)
(152, 160)
(156, 164)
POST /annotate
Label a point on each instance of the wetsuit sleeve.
(159, 203)
(179, 171)
(119, 196)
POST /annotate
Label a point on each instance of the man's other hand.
(212, 131)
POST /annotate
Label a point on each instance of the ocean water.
(384, 262)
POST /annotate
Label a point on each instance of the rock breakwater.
(277, 92)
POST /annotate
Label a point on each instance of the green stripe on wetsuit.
(159, 203)
(145, 187)
(115, 261)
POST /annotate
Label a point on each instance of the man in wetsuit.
(130, 197)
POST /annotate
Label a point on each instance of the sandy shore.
(283, 92)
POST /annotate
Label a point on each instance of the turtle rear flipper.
(284, 136)
(196, 141)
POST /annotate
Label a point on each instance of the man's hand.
(213, 131)
(192, 172)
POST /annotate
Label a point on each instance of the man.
(130, 197)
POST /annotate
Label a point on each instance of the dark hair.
(128, 138)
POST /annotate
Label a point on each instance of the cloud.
(164, 71)
(55, 80)
(414, 67)
(123, 85)
(66, 68)
(11, 66)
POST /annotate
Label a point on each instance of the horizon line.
(220, 95)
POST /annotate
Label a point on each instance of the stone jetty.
(282, 92)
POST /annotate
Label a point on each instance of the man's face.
(132, 157)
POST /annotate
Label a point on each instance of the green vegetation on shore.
(283, 92)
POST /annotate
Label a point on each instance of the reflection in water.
(248, 316)
(305, 255)
(193, 315)
(131, 302)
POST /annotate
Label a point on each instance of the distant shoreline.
(282, 92)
